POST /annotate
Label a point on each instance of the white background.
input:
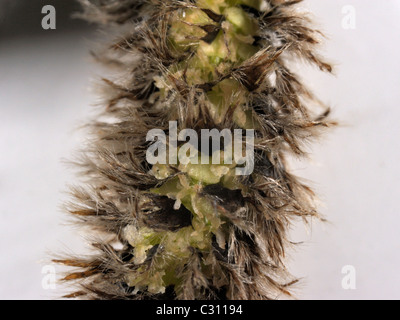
(44, 97)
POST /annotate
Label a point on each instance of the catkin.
(196, 231)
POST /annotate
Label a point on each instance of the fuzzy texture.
(195, 231)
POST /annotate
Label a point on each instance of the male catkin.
(196, 231)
